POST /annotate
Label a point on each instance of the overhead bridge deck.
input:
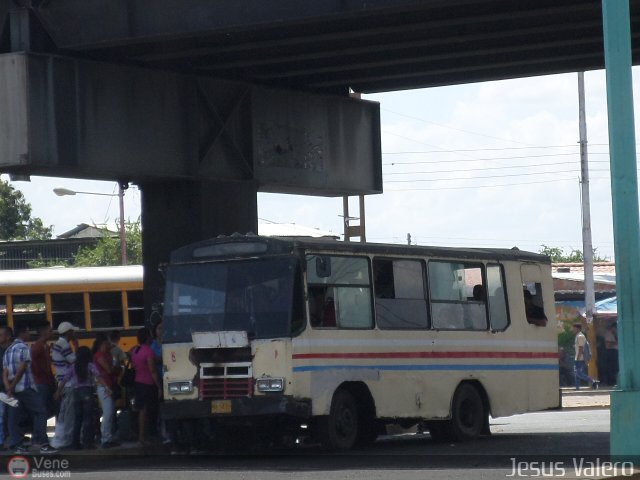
(334, 45)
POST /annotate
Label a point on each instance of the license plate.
(220, 406)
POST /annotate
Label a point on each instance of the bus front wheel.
(339, 429)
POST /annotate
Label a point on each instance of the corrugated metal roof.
(609, 279)
(292, 230)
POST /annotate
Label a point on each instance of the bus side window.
(3, 310)
(322, 312)
(67, 307)
(498, 312)
(353, 307)
(453, 304)
(135, 304)
(342, 298)
(297, 313)
(106, 310)
(400, 294)
(29, 310)
(532, 295)
(533, 304)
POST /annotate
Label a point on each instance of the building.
(21, 254)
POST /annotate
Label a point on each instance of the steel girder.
(65, 116)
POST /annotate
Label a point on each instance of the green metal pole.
(625, 403)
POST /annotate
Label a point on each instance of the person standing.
(19, 383)
(611, 353)
(104, 362)
(120, 360)
(119, 356)
(63, 358)
(83, 378)
(147, 386)
(156, 346)
(41, 366)
(580, 366)
(6, 337)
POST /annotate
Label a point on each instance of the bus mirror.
(323, 267)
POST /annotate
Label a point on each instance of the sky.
(492, 164)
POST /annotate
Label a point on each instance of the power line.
(439, 149)
(481, 186)
(452, 128)
(484, 176)
(512, 184)
(489, 239)
(486, 168)
(497, 158)
(496, 149)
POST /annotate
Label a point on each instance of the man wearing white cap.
(63, 358)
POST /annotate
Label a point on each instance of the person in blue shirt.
(6, 337)
(19, 383)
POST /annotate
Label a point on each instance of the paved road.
(555, 438)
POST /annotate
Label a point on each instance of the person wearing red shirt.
(41, 368)
(103, 361)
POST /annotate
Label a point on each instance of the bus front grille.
(224, 388)
(220, 381)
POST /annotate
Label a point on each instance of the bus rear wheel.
(339, 429)
(468, 417)
(468, 413)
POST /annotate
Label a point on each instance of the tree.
(16, 222)
(107, 251)
(558, 255)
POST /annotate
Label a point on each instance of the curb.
(587, 407)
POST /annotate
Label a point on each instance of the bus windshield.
(256, 296)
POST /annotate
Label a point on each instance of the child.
(83, 378)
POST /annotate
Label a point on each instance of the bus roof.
(283, 245)
(69, 276)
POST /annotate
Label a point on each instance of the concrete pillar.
(625, 403)
(176, 213)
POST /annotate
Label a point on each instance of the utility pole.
(123, 232)
(587, 244)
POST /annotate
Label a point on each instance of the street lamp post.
(61, 191)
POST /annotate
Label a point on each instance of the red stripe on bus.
(301, 356)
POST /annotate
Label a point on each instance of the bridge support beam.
(64, 116)
(176, 213)
(199, 147)
(625, 404)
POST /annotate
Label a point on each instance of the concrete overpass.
(324, 46)
(205, 102)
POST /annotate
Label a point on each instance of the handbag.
(129, 375)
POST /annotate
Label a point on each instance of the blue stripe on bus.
(315, 368)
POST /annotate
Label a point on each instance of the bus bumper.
(237, 407)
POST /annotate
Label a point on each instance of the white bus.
(347, 337)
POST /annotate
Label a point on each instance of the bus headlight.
(176, 388)
(270, 384)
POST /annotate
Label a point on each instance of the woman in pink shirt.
(147, 388)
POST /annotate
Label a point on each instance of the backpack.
(586, 351)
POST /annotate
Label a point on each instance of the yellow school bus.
(91, 298)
